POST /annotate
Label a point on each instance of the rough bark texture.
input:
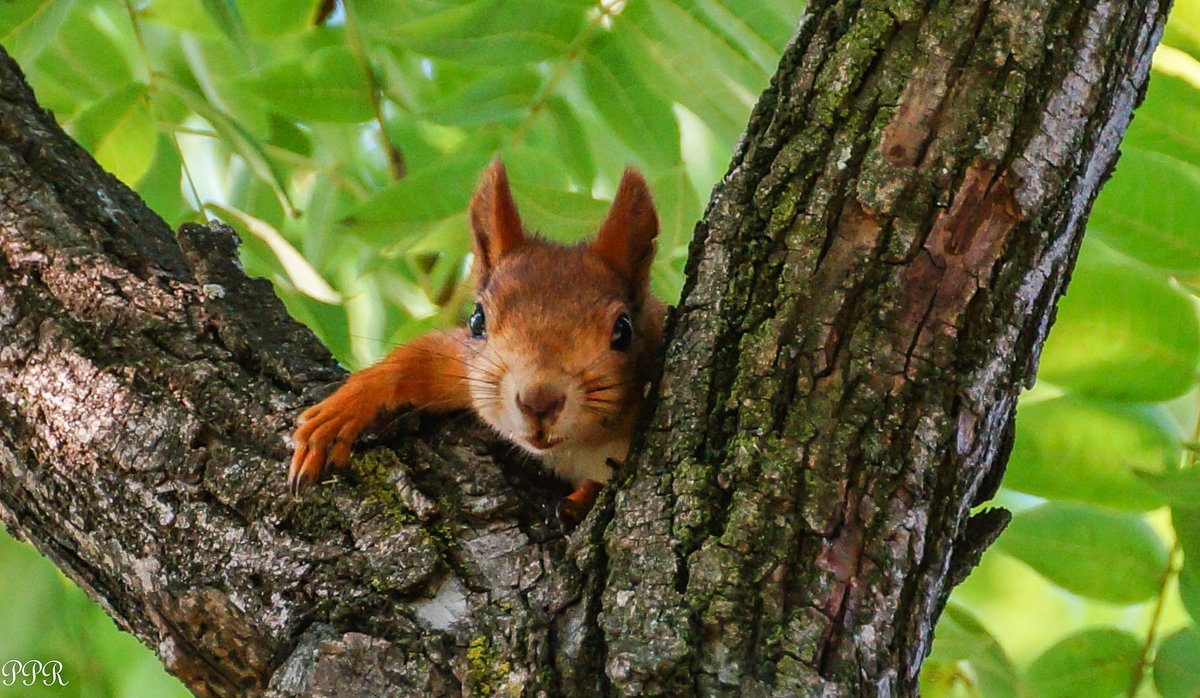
(866, 294)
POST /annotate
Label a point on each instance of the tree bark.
(867, 292)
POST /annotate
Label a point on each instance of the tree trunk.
(866, 294)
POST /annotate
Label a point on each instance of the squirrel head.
(562, 336)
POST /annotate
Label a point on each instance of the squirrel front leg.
(429, 373)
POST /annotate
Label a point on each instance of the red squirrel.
(555, 356)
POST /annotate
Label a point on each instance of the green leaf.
(1183, 27)
(1187, 532)
(678, 210)
(489, 32)
(1082, 450)
(687, 63)
(572, 143)
(425, 196)
(118, 130)
(961, 642)
(180, 15)
(1122, 334)
(749, 26)
(1189, 589)
(98, 59)
(1168, 120)
(500, 95)
(31, 27)
(1177, 664)
(327, 85)
(1091, 552)
(1149, 209)
(161, 188)
(236, 137)
(559, 214)
(641, 119)
(212, 72)
(95, 122)
(1097, 663)
(269, 18)
(228, 19)
(129, 148)
(1181, 488)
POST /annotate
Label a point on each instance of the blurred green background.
(342, 141)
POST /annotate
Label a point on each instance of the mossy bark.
(866, 294)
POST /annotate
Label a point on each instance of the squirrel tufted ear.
(496, 227)
(626, 238)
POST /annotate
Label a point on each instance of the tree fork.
(867, 292)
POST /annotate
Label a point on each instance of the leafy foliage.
(344, 147)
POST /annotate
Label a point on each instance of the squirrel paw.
(324, 436)
(574, 507)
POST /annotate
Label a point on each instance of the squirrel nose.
(541, 402)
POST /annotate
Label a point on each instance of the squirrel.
(555, 356)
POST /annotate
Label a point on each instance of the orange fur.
(549, 373)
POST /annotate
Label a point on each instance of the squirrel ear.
(496, 226)
(626, 238)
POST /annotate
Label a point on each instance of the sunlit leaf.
(1183, 27)
(499, 95)
(226, 16)
(1177, 664)
(1187, 532)
(99, 58)
(95, 122)
(490, 32)
(678, 212)
(572, 142)
(186, 15)
(1123, 334)
(635, 112)
(125, 151)
(237, 137)
(1095, 553)
(1170, 117)
(557, 213)
(267, 18)
(30, 27)
(161, 185)
(1096, 663)
(1180, 488)
(328, 85)
(425, 196)
(1150, 209)
(115, 130)
(1189, 588)
(686, 62)
(213, 73)
(1088, 451)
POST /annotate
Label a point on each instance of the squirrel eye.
(622, 334)
(478, 323)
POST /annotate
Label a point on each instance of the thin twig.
(395, 157)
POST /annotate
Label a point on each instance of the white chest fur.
(581, 463)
